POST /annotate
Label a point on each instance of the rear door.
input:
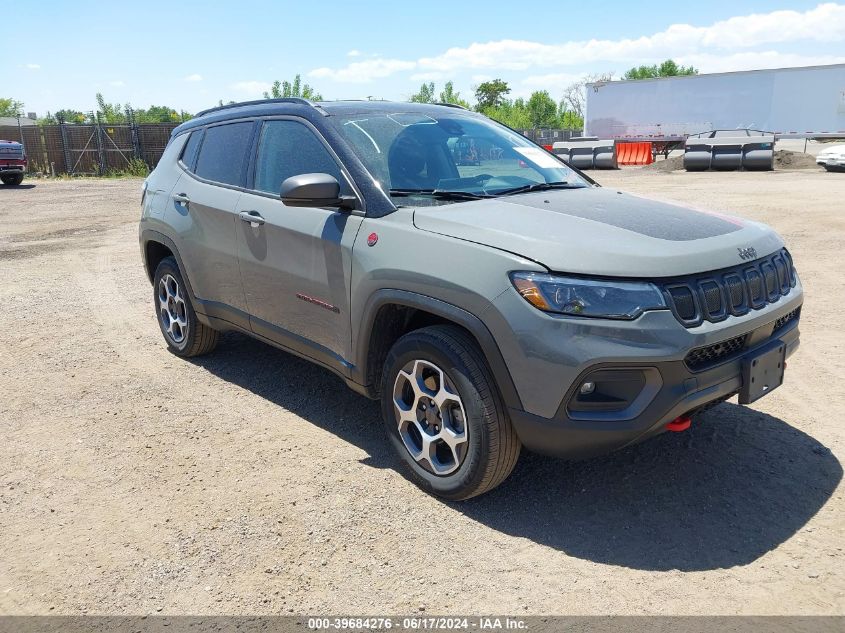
(295, 265)
(203, 211)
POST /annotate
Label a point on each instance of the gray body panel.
(298, 254)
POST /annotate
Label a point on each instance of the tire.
(834, 168)
(185, 335)
(483, 448)
(13, 181)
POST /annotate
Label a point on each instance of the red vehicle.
(12, 162)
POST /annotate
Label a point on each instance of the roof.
(730, 72)
(13, 120)
(312, 109)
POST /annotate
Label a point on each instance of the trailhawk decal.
(318, 302)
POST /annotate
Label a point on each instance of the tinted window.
(289, 148)
(189, 152)
(223, 155)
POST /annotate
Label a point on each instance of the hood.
(832, 150)
(597, 231)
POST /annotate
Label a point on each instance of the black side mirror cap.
(315, 190)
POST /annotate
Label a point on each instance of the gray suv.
(488, 294)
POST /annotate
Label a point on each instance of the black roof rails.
(298, 100)
(450, 105)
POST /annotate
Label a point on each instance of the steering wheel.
(482, 178)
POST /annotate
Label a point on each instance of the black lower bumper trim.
(682, 392)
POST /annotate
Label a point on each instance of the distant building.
(10, 120)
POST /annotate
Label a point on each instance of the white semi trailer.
(805, 102)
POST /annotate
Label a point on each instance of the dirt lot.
(251, 482)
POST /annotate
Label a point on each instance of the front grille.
(734, 291)
(712, 354)
(789, 317)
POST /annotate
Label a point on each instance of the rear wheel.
(12, 180)
(834, 168)
(184, 333)
(444, 415)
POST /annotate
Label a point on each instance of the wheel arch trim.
(470, 322)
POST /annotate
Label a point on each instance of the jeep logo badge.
(747, 253)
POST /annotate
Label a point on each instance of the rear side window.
(189, 152)
(290, 148)
(223, 154)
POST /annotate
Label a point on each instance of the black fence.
(90, 149)
(547, 136)
(98, 149)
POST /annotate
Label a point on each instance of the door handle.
(181, 198)
(253, 217)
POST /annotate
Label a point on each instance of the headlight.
(606, 299)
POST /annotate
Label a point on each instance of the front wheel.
(13, 180)
(444, 415)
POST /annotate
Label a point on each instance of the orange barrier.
(634, 153)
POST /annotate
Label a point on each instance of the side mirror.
(315, 190)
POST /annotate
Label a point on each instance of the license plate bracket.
(762, 372)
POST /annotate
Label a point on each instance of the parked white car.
(832, 158)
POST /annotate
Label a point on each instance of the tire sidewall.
(471, 470)
(165, 267)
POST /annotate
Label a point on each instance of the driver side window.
(289, 148)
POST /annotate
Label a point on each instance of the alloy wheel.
(172, 309)
(430, 417)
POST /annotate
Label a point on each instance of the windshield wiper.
(440, 194)
(538, 186)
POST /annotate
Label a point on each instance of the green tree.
(110, 112)
(667, 69)
(158, 114)
(542, 110)
(424, 95)
(491, 94)
(10, 107)
(448, 95)
(286, 89)
(64, 115)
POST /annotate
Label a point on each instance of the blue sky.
(191, 54)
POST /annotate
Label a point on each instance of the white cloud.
(354, 53)
(550, 80)
(752, 60)
(435, 76)
(251, 88)
(365, 71)
(33, 66)
(117, 83)
(194, 77)
(824, 23)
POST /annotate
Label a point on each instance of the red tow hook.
(679, 424)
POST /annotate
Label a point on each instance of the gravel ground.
(250, 482)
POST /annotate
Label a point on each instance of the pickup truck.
(12, 162)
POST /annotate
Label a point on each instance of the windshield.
(449, 158)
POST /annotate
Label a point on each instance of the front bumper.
(11, 169)
(656, 344)
(830, 161)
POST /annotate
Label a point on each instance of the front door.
(295, 262)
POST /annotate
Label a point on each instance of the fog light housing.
(608, 394)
